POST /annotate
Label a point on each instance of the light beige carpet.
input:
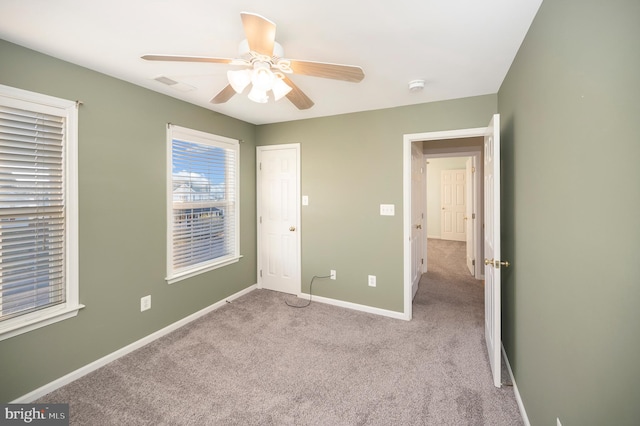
(257, 361)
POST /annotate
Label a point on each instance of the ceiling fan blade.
(224, 95)
(297, 96)
(181, 58)
(350, 73)
(260, 33)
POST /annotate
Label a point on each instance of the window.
(202, 200)
(38, 211)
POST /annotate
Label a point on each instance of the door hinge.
(473, 216)
(260, 273)
(473, 262)
(260, 165)
(473, 169)
(260, 219)
(422, 261)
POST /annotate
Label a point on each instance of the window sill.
(197, 271)
(35, 320)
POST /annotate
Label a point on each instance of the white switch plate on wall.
(387, 209)
(305, 200)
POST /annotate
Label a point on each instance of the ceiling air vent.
(182, 87)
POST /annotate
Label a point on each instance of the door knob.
(497, 263)
(418, 226)
(292, 228)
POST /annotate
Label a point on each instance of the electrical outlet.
(333, 274)
(145, 303)
(372, 280)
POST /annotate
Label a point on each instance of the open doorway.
(454, 143)
(489, 222)
(453, 201)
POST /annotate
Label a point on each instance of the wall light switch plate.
(305, 200)
(387, 209)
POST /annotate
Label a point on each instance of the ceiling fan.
(265, 69)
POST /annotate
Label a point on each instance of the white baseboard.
(523, 412)
(356, 307)
(74, 375)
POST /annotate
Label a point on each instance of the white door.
(469, 217)
(417, 215)
(453, 201)
(492, 262)
(278, 183)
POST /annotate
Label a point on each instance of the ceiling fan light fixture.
(258, 95)
(262, 77)
(239, 80)
(280, 89)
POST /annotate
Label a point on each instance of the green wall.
(571, 196)
(122, 178)
(350, 164)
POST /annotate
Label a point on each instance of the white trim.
(37, 319)
(355, 306)
(201, 269)
(69, 110)
(74, 375)
(203, 138)
(408, 139)
(523, 412)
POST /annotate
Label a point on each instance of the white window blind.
(203, 212)
(37, 284)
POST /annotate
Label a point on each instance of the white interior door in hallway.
(278, 186)
(492, 249)
(417, 213)
(453, 203)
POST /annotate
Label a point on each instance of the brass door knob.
(418, 226)
(292, 228)
(497, 263)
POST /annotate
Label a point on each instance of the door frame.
(298, 233)
(477, 191)
(408, 139)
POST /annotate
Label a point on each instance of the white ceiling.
(460, 47)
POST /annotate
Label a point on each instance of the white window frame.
(24, 99)
(196, 136)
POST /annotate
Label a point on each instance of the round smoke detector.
(416, 85)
